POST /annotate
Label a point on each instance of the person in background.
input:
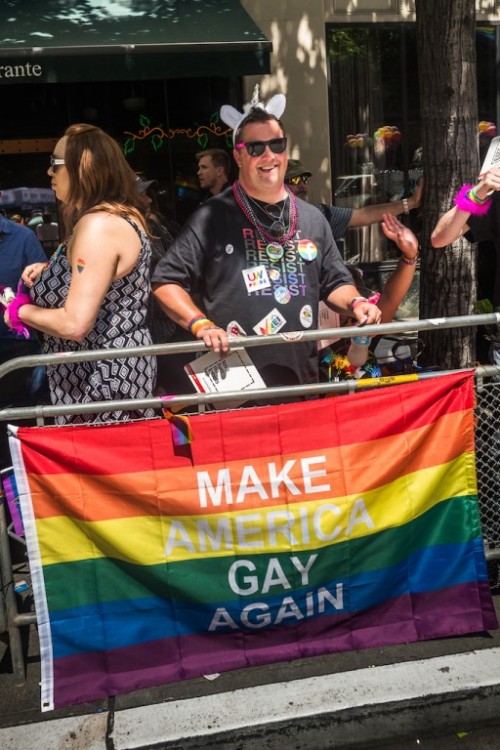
(162, 328)
(48, 233)
(214, 165)
(259, 259)
(393, 293)
(18, 248)
(94, 292)
(341, 219)
(35, 219)
(18, 219)
(476, 216)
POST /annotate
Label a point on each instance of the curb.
(341, 710)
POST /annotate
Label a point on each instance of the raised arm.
(471, 199)
(363, 217)
(400, 280)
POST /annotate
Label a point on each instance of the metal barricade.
(487, 430)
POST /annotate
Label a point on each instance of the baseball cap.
(296, 169)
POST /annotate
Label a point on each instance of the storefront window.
(375, 116)
(161, 124)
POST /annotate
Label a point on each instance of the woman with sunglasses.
(93, 293)
(260, 261)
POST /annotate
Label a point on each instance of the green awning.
(52, 41)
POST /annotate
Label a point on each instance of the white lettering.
(260, 615)
(274, 527)
(304, 570)
(250, 483)
(218, 538)
(281, 478)
(324, 595)
(223, 485)
(178, 528)
(359, 515)
(242, 533)
(309, 475)
(275, 576)
(20, 71)
(251, 581)
(324, 536)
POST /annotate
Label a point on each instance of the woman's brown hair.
(100, 178)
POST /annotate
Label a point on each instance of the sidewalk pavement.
(347, 700)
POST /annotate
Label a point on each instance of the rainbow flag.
(278, 533)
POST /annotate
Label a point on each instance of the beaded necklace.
(243, 201)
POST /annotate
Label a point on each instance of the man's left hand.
(367, 314)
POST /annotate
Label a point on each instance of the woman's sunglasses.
(55, 163)
(257, 148)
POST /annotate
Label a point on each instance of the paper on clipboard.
(235, 371)
(492, 158)
(327, 319)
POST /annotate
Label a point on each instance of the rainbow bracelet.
(466, 200)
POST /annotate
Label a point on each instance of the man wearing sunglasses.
(341, 219)
(258, 259)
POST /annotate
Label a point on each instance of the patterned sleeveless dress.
(121, 322)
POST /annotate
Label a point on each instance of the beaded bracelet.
(409, 261)
(465, 202)
(196, 318)
(406, 207)
(202, 323)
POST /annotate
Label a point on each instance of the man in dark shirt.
(214, 166)
(260, 259)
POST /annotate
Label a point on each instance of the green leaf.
(203, 140)
(129, 146)
(144, 121)
(156, 142)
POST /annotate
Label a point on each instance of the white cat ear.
(276, 105)
(230, 115)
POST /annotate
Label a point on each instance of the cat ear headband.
(275, 106)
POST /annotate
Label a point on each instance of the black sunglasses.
(257, 148)
(55, 163)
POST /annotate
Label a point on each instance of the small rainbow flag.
(284, 532)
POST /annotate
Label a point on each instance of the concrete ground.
(436, 695)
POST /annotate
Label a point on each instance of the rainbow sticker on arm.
(80, 265)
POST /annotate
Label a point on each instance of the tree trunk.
(446, 43)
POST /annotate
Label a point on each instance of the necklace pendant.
(277, 229)
(274, 251)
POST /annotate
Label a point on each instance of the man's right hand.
(214, 337)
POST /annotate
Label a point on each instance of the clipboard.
(214, 373)
(492, 158)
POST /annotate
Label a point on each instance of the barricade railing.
(488, 408)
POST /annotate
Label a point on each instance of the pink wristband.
(16, 324)
(356, 301)
(464, 203)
